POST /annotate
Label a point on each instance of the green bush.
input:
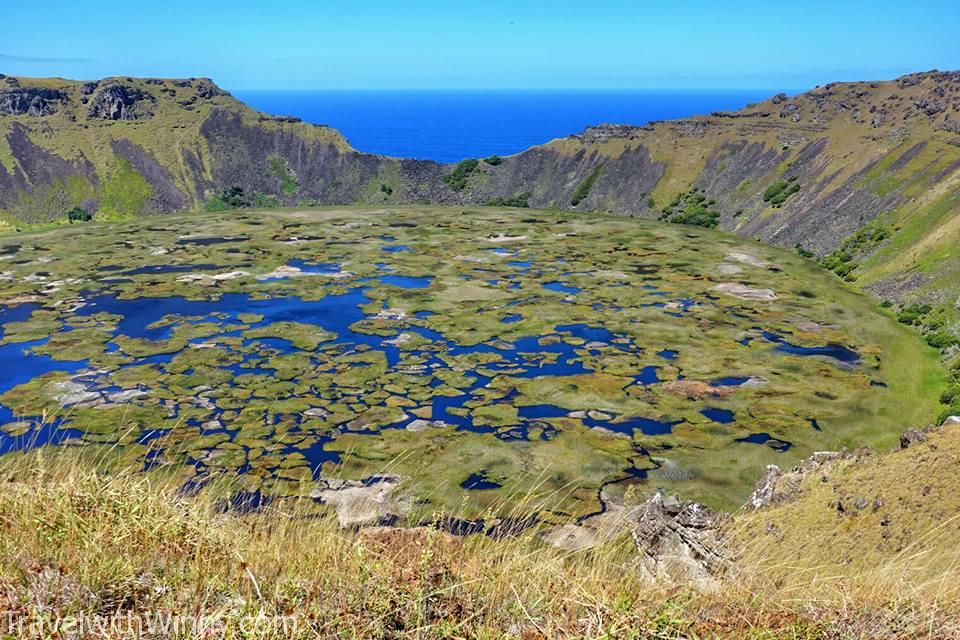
(777, 193)
(493, 161)
(232, 198)
(842, 260)
(583, 190)
(951, 396)
(695, 210)
(806, 253)
(79, 214)
(913, 314)
(265, 201)
(288, 182)
(521, 200)
(387, 189)
(457, 179)
(941, 339)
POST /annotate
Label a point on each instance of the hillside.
(130, 549)
(866, 172)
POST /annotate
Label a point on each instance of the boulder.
(742, 291)
(680, 542)
(789, 110)
(912, 437)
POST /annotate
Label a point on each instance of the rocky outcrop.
(680, 542)
(778, 487)
(902, 139)
(781, 487)
(120, 102)
(603, 132)
(30, 101)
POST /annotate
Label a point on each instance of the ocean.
(449, 126)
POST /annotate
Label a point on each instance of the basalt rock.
(912, 437)
(778, 487)
(608, 132)
(120, 102)
(767, 491)
(30, 101)
(207, 89)
(680, 542)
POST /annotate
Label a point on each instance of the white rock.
(746, 258)
(742, 291)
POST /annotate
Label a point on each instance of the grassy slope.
(926, 227)
(907, 532)
(861, 123)
(171, 130)
(76, 541)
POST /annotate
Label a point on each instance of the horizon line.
(647, 88)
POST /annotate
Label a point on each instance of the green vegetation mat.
(482, 356)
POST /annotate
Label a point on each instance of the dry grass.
(80, 543)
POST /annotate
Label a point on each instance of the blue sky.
(349, 44)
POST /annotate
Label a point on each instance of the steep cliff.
(866, 171)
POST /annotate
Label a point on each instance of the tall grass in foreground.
(80, 542)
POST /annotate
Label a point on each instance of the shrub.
(387, 189)
(842, 260)
(583, 190)
(695, 210)
(941, 339)
(288, 182)
(79, 214)
(457, 179)
(806, 253)
(951, 396)
(777, 193)
(493, 161)
(521, 200)
(265, 201)
(913, 314)
(231, 198)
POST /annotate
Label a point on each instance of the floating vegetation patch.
(459, 359)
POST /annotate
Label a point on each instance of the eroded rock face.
(782, 487)
(603, 132)
(766, 491)
(680, 542)
(30, 101)
(207, 89)
(120, 102)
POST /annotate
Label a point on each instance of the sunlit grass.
(81, 534)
